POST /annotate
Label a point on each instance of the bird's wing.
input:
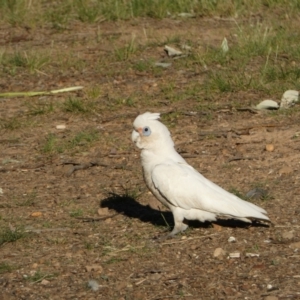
(182, 186)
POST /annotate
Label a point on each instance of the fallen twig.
(189, 239)
(42, 93)
(74, 166)
(87, 219)
(240, 158)
(46, 230)
(251, 109)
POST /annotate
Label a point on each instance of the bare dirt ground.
(86, 212)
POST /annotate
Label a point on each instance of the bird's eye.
(146, 131)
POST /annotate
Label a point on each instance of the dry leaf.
(36, 214)
(95, 268)
(172, 52)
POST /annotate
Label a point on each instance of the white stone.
(231, 239)
(267, 104)
(289, 98)
(61, 126)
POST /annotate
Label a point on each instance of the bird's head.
(150, 134)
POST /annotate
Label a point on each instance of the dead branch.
(87, 219)
(74, 166)
(240, 158)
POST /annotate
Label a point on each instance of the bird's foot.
(179, 227)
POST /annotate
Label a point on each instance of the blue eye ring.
(146, 131)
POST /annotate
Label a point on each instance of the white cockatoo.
(176, 184)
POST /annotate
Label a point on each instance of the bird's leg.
(180, 223)
(179, 227)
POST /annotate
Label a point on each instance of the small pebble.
(45, 282)
(234, 255)
(288, 235)
(231, 239)
(62, 126)
(252, 255)
(219, 253)
(93, 285)
(270, 147)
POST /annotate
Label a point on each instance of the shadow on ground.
(128, 206)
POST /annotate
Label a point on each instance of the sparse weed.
(31, 60)
(5, 268)
(76, 105)
(50, 145)
(143, 65)
(76, 213)
(11, 124)
(40, 108)
(38, 276)
(124, 53)
(13, 11)
(167, 224)
(87, 11)
(114, 260)
(94, 92)
(127, 101)
(171, 118)
(89, 246)
(28, 199)
(9, 235)
(83, 138)
(54, 144)
(59, 14)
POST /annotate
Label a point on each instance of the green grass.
(50, 145)
(62, 12)
(28, 199)
(255, 60)
(11, 123)
(76, 213)
(83, 138)
(124, 53)
(8, 235)
(114, 260)
(39, 108)
(17, 61)
(143, 65)
(5, 268)
(38, 276)
(55, 144)
(77, 105)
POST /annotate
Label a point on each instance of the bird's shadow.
(128, 206)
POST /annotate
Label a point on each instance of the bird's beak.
(134, 136)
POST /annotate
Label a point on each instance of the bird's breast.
(147, 173)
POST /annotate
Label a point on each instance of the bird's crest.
(144, 118)
(151, 116)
